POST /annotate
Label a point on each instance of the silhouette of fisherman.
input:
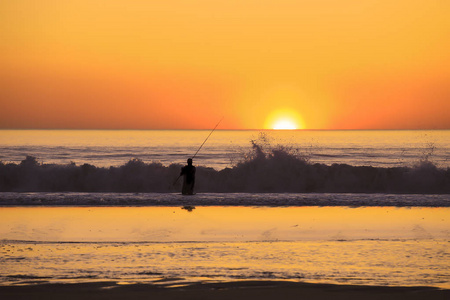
(188, 172)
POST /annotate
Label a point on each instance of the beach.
(224, 252)
(84, 219)
(260, 290)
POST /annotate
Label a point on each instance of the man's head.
(189, 161)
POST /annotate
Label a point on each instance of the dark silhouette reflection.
(188, 172)
(189, 208)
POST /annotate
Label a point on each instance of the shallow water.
(367, 245)
(223, 199)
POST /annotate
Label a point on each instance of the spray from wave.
(266, 168)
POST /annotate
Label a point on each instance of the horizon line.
(226, 129)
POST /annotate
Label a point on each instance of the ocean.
(400, 162)
(342, 207)
(225, 148)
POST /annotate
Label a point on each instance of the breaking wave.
(266, 169)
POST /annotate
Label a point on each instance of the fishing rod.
(207, 138)
(202, 144)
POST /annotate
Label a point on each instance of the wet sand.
(220, 224)
(129, 252)
(260, 290)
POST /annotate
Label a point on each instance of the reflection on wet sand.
(174, 224)
(369, 246)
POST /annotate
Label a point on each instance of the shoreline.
(260, 290)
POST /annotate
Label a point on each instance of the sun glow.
(284, 119)
(285, 124)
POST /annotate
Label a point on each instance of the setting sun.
(285, 124)
(284, 119)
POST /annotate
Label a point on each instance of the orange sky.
(184, 64)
